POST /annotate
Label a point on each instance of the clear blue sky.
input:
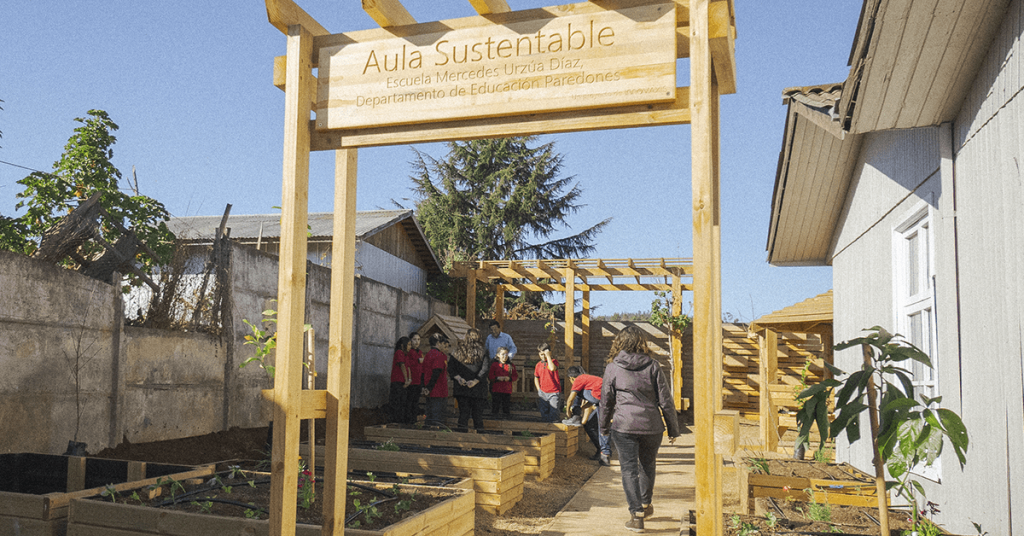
(190, 85)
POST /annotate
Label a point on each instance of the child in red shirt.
(400, 380)
(548, 384)
(503, 374)
(435, 379)
(414, 362)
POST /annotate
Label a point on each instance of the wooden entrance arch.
(582, 275)
(633, 85)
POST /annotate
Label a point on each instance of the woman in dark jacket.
(636, 407)
(469, 371)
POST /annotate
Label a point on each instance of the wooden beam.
(388, 13)
(723, 44)
(642, 115)
(285, 13)
(768, 350)
(707, 320)
(677, 345)
(291, 284)
(727, 432)
(585, 328)
(570, 318)
(471, 299)
(486, 7)
(499, 308)
(339, 353)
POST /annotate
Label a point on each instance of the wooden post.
(311, 384)
(707, 315)
(768, 347)
(570, 328)
(499, 306)
(677, 344)
(883, 506)
(585, 328)
(76, 474)
(291, 282)
(471, 298)
(339, 353)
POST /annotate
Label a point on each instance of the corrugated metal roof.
(321, 225)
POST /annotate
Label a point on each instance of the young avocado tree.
(906, 433)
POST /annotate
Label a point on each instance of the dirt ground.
(541, 500)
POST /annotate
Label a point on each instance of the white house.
(907, 180)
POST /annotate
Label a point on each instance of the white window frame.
(920, 303)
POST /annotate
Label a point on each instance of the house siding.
(969, 173)
(990, 242)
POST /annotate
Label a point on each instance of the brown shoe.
(649, 510)
(636, 522)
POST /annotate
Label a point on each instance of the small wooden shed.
(813, 315)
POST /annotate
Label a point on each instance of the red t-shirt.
(396, 369)
(502, 369)
(414, 360)
(549, 382)
(436, 360)
(586, 382)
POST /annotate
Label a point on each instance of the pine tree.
(499, 199)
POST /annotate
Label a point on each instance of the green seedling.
(110, 492)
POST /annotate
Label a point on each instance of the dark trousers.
(471, 407)
(412, 403)
(436, 410)
(397, 406)
(501, 402)
(637, 459)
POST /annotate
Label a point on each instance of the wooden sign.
(569, 57)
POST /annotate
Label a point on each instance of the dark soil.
(541, 500)
(806, 469)
(247, 494)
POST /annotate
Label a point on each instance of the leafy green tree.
(84, 169)
(499, 199)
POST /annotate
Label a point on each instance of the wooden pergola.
(582, 275)
(634, 46)
(813, 315)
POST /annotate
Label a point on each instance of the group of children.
(475, 369)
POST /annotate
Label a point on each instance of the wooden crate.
(37, 488)
(567, 438)
(539, 450)
(452, 517)
(858, 490)
(497, 475)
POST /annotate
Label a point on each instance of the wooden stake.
(707, 329)
(311, 385)
(291, 285)
(339, 353)
(471, 298)
(883, 507)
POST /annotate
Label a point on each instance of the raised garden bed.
(832, 483)
(497, 474)
(36, 489)
(539, 450)
(567, 438)
(809, 519)
(237, 504)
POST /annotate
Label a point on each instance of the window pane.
(913, 264)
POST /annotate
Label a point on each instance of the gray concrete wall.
(146, 385)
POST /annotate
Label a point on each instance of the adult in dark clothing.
(469, 371)
(636, 408)
(435, 379)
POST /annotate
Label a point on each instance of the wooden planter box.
(567, 438)
(497, 474)
(452, 517)
(35, 489)
(856, 490)
(539, 450)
